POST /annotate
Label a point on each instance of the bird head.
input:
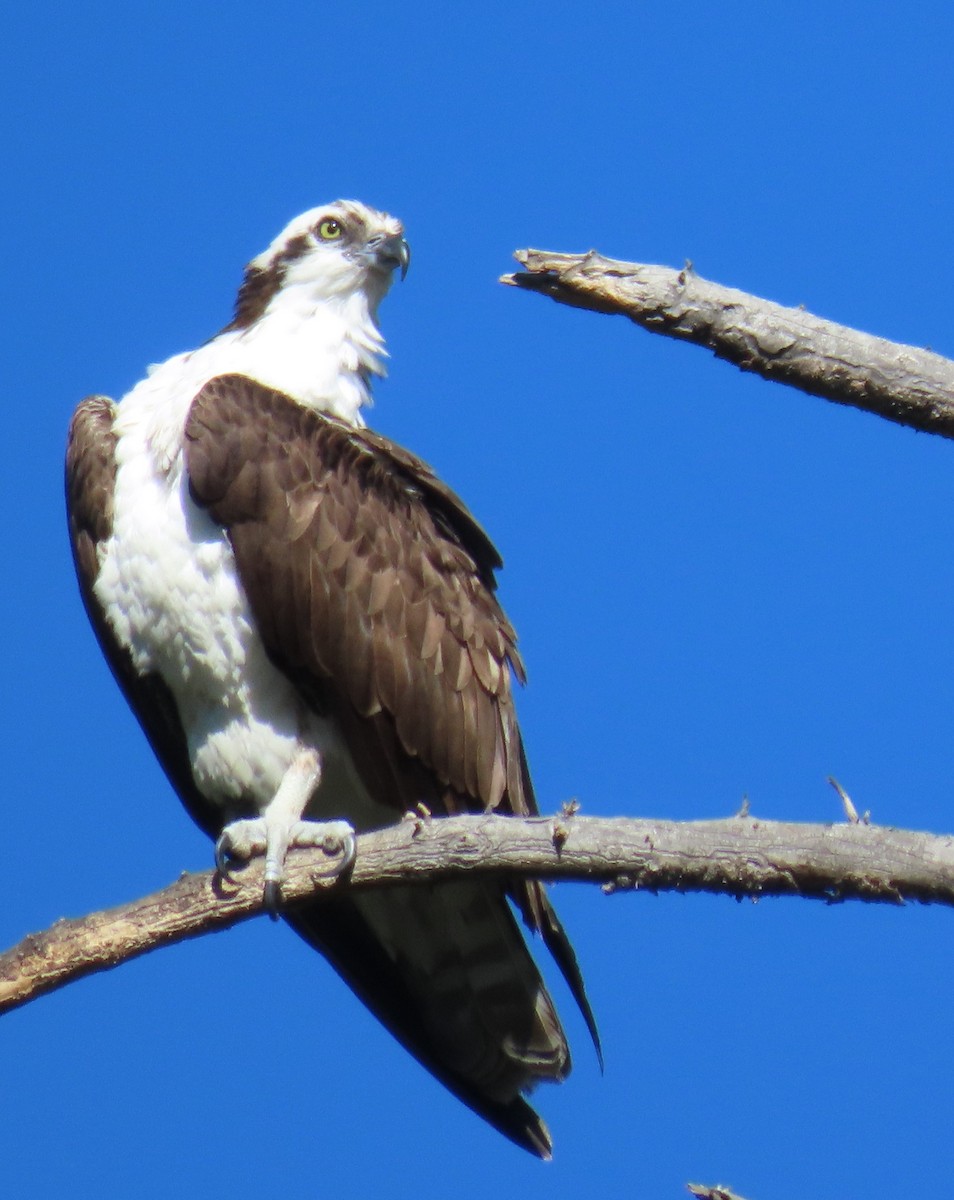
(328, 253)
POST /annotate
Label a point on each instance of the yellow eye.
(330, 230)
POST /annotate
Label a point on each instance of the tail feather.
(446, 969)
(541, 917)
(459, 946)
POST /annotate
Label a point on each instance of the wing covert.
(369, 581)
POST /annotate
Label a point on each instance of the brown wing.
(371, 584)
(373, 587)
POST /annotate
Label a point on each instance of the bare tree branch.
(788, 345)
(738, 856)
(704, 1192)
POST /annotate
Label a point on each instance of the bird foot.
(244, 839)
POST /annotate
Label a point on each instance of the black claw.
(349, 851)
(223, 859)
(273, 898)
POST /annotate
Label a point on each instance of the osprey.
(303, 619)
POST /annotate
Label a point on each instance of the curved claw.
(343, 845)
(349, 852)
(273, 898)
(223, 857)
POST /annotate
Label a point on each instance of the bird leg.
(281, 827)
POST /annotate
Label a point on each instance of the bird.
(303, 617)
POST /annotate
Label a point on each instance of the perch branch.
(902, 383)
(738, 856)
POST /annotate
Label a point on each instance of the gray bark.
(738, 856)
(788, 345)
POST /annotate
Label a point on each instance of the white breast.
(170, 591)
(169, 587)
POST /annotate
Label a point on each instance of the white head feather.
(335, 251)
(305, 323)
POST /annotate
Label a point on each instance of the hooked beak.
(391, 252)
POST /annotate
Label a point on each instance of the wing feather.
(365, 572)
(373, 587)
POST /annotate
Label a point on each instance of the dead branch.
(738, 857)
(704, 1192)
(788, 345)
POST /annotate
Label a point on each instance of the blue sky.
(722, 587)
